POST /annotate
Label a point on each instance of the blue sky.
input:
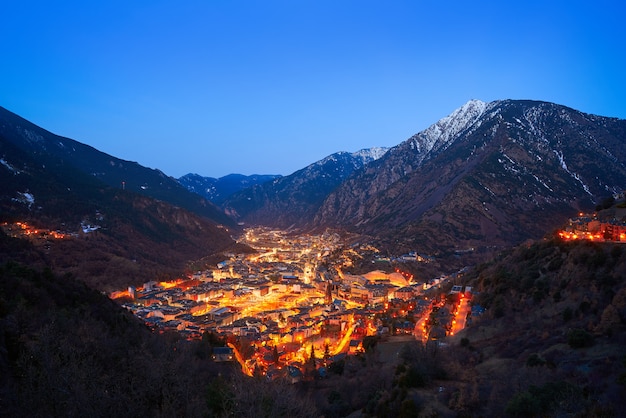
(268, 87)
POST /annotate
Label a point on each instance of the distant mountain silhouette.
(218, 190)
(294, 199)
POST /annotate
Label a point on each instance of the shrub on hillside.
(543, 400)
(579, 338)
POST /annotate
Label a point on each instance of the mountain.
(77, 223)
(294, 199)
(61, 153)
(220, 189)
(487, 176)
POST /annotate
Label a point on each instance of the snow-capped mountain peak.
(442, 132)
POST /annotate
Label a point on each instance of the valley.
(439, 277)
(296, 298)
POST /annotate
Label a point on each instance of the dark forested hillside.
(65, 160)
(114, 236)
(555, 324)
(67, 350)
(217, 190)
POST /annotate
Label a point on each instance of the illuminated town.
(293, 306)
(25, 230)
(590, 227)
(292, 301)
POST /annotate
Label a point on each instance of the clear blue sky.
(268, 87)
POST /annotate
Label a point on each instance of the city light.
(274, 307)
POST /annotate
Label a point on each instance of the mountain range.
(295, 199)
(547, 337)
(217, 190)
(488, 176)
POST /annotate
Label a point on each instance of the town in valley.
(293, 307)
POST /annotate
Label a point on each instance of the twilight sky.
(267, 87)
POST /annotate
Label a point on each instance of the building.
(405, 293)
(222, 354)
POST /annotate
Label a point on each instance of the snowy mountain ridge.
(439, 135)
(489, 174)
(370, 154)
(361, 157)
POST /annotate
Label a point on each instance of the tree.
(610, 318)
(369, 342)
(326, 351)
(579, 338)
(312, 358)
(245, 348)
(275, 355)
(311, 364)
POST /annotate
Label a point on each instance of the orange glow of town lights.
(168, 285)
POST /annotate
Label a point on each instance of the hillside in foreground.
(551, 342)
(67, 350)
(554, 325)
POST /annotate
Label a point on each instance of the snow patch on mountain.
(87, 227)
(360, 157)
(26, 198)
(533, 116)
(9, 166)
(575, 176)
(559, 155)
(543, 183)
(31, 136)
(370, 154)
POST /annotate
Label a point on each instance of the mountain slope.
(61, 153)
(68, 350)
(488, 175)
(555, 314)
(110, 237)
(218, 190)
(294, 199)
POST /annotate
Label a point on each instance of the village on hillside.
(591, 227)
